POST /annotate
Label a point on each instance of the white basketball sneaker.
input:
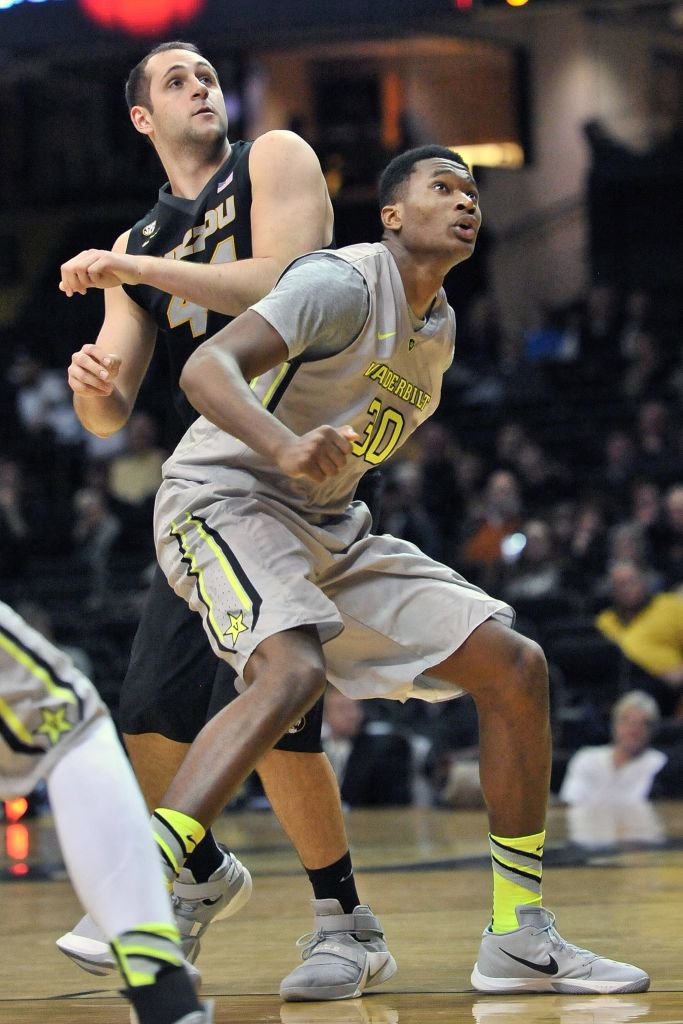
(535, 958)
(196, 905)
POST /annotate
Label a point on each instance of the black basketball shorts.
(175, 682)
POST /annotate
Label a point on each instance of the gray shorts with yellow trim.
(45, 705)
(253, 567)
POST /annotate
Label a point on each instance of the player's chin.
(462, 251)
(211, 130)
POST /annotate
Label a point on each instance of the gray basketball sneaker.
(342, 956)
(195, 904)
(535, 958)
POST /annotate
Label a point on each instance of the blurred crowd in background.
(551, 475)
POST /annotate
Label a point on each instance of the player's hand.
(92, 371)
(98, 268)
(319, 454)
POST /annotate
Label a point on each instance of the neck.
(621, 756)
(422, 275)
(188, 171)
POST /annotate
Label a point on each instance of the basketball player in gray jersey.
(257, 528)
(54, 726)
(229, 219)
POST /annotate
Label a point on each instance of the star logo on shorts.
(54, 724)
(236, 627)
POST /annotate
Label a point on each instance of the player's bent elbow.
(195, 373)
(190, 374)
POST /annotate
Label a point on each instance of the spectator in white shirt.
(607, 787)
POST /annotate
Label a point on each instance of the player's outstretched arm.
(291, 214)
(105, 377)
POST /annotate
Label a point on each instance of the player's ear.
(141, 119)
(391, 217)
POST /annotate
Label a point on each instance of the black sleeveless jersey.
(213, 228)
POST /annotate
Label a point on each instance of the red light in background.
(463, 5)
(17, 845)
(15, 809)
(141, 17)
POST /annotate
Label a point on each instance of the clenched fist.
(92, 371)
(98, 268)
(319, 454)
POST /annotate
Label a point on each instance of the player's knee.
(306, 684)
(527, 671)
(292, 685)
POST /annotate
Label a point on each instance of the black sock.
(206, 857)
(336, 882)
(168, 1000)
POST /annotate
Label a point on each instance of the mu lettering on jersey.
(213, 228)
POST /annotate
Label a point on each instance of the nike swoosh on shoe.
(549, 968)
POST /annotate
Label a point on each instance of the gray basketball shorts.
(253, 567)
(45, 705)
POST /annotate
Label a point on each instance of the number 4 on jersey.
(181, 311)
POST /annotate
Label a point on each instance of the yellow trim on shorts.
(239, 590)
(234, 583)
(22, 657)
(197, 572)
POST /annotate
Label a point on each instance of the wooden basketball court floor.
(427, 875)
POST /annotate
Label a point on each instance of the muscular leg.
(507, 677)
(295, 784)
(284, 677)
(155, 760)
(302, 790)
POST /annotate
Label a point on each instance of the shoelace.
(307, 943)
(310, 940)
(567, 947)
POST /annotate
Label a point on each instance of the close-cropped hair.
(137, 83)
(397, 172)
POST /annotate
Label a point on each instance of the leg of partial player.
(104, 833)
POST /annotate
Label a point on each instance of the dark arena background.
(554, 459)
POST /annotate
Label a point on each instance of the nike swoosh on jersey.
(549, 968)
(383, 335)
(148, 240)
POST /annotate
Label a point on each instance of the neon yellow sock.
(177, 835)
(517, 872)
(143, 952)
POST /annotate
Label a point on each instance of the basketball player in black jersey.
(229, 219)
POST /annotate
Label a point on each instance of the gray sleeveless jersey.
(384, 383)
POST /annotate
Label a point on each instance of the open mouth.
(466, 229)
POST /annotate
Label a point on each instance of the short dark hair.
(397, 172)
(137, 83)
